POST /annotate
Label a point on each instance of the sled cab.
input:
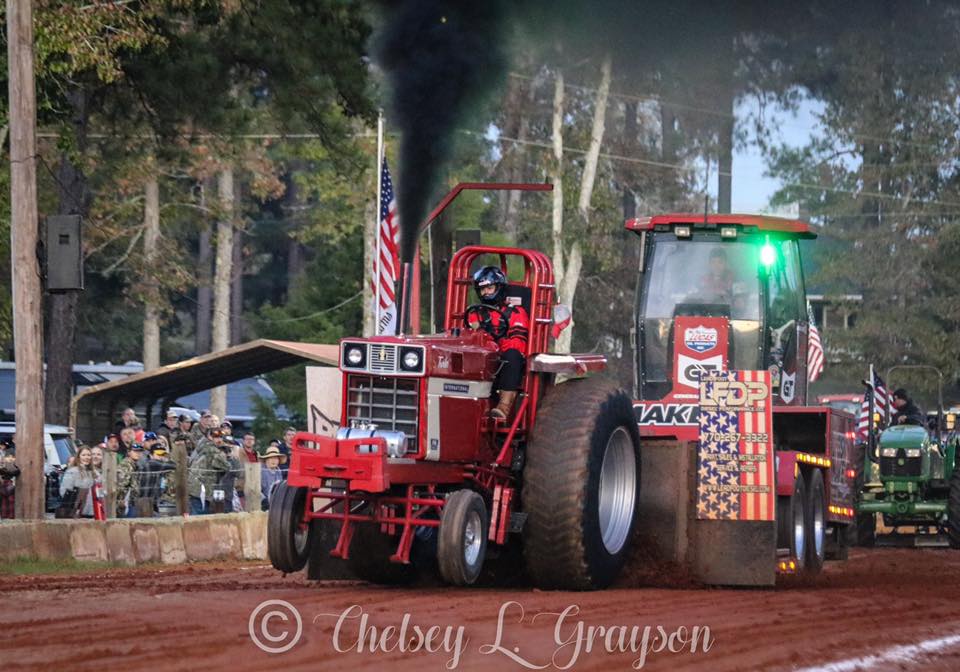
(721, 292)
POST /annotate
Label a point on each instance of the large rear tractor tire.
(288, 537)
(462, 546)
(792, 522)
(953, 509)
(370, 551)
(581, 486)
(816, 522)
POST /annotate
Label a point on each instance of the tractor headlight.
(355, 355)
(411, 360)
(888, 452)
(913, 452)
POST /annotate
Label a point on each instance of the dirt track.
(197, 618)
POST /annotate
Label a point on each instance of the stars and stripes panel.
(735, 465)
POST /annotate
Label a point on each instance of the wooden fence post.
(251, 486)
(180, 476)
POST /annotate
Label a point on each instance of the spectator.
(76, 487)
(155, 468)
(128, 419)
(228, 482)
(113, 445)
(169, 426)
(128, 482)
(8, 474)
(184, 434)
(207, 466)
(284, 447)
(150, 440)
(97, 452)
(128, 437)
(250, 451)
(226, 428)
(270, 474)
(201, 428)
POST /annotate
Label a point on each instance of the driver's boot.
(503, 407)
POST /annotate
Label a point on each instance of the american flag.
(388, 259)
(881, 405)
(814, 349)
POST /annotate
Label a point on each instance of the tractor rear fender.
(568, 364)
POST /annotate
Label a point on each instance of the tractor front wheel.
(288, 536)
(792, 522)
(462, 545)
(953, 509)
(581, 486)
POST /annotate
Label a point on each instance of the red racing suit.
(514, 336)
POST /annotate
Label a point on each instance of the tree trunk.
(25, 271)
(295, 265)
(236, 290)
(521, 99)
(556, 176)
(74, 198)
(571, 276)
(204, 282)
(630, 130)
(151, 241)
(221, 282)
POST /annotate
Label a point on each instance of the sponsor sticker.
(700, 339)
(690, 370)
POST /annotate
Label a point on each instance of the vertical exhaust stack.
(441, 56)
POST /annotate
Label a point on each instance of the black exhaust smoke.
(441, 56)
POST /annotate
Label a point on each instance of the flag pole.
(376, 266)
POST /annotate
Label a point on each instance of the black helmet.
(490, 275)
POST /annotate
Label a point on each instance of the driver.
(508, 325)
(905, 411)
(716, 285)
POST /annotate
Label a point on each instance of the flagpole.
(376, 298)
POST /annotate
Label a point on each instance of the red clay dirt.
(197, 618)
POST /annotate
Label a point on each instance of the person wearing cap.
(226, 428)
(128, 482)
(169, 426)
(184, 434)
(905, 411)
(199, 429)
(155, 476)
(150, 439)
(270, 473)
(228, 482)
(207, 465)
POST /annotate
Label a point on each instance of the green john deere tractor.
(913, 480)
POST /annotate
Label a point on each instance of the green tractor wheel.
(953, 510)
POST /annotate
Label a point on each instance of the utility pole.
(27, 292)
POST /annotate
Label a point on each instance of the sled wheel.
(791, 522)
(816, 522)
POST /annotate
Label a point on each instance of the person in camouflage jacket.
(207, 465)
(128, 482)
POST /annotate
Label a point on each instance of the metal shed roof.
(92, 410)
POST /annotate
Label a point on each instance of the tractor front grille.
(383, 358)
(388, 403)
(889, 466)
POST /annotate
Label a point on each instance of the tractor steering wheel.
(483, 317)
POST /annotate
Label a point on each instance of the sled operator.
(509, 326)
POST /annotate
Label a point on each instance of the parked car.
(58, 448)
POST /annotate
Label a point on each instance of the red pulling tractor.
(418, 469)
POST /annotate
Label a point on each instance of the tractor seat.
(518, 295)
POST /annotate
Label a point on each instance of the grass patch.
(31, 565)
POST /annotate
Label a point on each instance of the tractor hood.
(470, 355)
(905, 436)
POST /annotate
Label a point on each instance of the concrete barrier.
(229, 536)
